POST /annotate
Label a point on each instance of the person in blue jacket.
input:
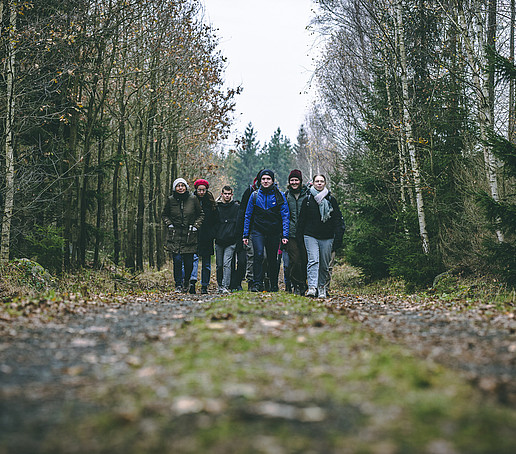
(267, 222)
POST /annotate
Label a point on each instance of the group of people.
(304, 225)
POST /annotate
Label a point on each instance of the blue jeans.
(183, 265)
(205, 269)
(270, 244)
(319, 256)
(224, 259)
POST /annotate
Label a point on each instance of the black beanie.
(267, 172)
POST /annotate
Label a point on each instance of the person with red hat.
(295, 259)
(206, 236)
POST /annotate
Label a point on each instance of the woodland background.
(104, 102)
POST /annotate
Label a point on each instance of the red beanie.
(295, 174)
(200, 181)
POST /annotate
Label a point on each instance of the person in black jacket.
(206, 236)
(320, 220)
(226, 236)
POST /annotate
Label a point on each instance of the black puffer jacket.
(310, 220)
(208, 226)
(229, 227)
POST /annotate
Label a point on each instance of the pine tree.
(245, 163)
(502, 213)
(278, 157)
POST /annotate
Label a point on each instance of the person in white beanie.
(183, 217)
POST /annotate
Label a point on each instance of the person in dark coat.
(295, 273)
(226, 237)
(183, 217)
(319, 223)
(267, 221)
(206, 235)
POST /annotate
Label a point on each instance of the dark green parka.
(183, 217)
(294, 206)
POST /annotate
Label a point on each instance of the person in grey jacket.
(295, 194)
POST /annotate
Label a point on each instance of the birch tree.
(407, 124)
(473, 26)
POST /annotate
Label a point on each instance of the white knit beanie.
(177, 181)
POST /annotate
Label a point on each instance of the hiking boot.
(312, 292)
(204, 290)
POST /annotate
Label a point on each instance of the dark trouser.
(297, 262)
(238, 269)
(270, 244)
(183, 265)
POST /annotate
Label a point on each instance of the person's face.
(294, 183)
(180, 188)
(319, 183)
(226, 196)
(266, 181)
(201, 190)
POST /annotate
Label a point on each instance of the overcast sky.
(267, 47)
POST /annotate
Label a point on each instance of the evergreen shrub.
(45, 246)
(408, 261)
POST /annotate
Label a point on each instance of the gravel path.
(44, 364)
(479, 341)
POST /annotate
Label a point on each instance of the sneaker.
(322, 292)
(223, 290)
(178, 289)
(204, 290)
(191, 290)
(255, 289)
(312, 292)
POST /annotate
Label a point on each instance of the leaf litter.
(113, 355)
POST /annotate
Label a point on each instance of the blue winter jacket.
(265, 214)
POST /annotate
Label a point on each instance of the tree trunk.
(399, 144)
(479, 65)
(140, 213)
(100, 201)
(9, 136)
(158, 207)
(512, 107)
(407, 120)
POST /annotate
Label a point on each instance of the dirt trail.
(44, 365)
(480, 342)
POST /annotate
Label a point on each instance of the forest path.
(49, 367)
